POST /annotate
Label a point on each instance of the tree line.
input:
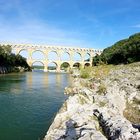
(124, 51)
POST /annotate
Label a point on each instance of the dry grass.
(102, 104)
(82, 99)
(102, 90)
(85, 73)
(101, 71)
(132, 113)
(96, 71)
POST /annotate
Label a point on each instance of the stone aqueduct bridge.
(59, 50)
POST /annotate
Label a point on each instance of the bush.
(132, 112)
(102, 89)
(85, 73)
(9, 59)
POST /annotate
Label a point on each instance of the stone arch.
(87, 57)
(76, 65)
(38, 65)
(65, 66)
(52, 66)
(77, 56)
(86, 65)
(38, 55)
(23, 53)
(65, 56)
(53, 55)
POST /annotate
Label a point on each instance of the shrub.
(85, 73)
(102, 89)
(102, 104)
(132, 112)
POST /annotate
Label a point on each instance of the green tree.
(123, 51)
(9, 59)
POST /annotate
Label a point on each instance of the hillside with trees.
(124, 51)
(10, 60)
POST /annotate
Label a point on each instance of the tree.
(123, 51)
(9, 59)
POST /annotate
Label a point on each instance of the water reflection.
(29, 80)
(44, 79)
(58, 80)
(28, 103)
(7, 87)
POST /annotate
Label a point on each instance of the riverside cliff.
(104, 106)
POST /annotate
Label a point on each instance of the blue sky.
(84, 23)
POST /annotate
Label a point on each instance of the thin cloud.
(136, 26)
(27, 27)
(39, 33)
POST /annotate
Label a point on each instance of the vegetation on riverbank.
(124, 51)
(10, 60)
(102, 72)
(95, 72)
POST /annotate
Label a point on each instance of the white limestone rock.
(88, 115)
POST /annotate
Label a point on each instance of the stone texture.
(90, 115)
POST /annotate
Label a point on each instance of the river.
(29, 102)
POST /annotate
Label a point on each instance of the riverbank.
(105, 106)
(5, 70)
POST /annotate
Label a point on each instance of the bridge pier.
(45, 68)
(58, 68)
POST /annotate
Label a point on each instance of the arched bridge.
(59, 50)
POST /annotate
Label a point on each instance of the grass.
(96, 71)
(82, 100)
(132, 112)
(102, 104)
(101, 71)
(85, 73)
(102, 90)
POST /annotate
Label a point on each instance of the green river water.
(29, 102)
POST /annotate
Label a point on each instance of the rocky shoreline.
(101, 108)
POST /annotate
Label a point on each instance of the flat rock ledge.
(94, 114)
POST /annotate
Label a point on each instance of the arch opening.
(38, 55)
(37, 66)
(86, 65)
(87, 57)
(65, 56)
(24, 53)
(77, 57)
(65, 66)
(76, 65)
(52, 55)
(52, 66)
